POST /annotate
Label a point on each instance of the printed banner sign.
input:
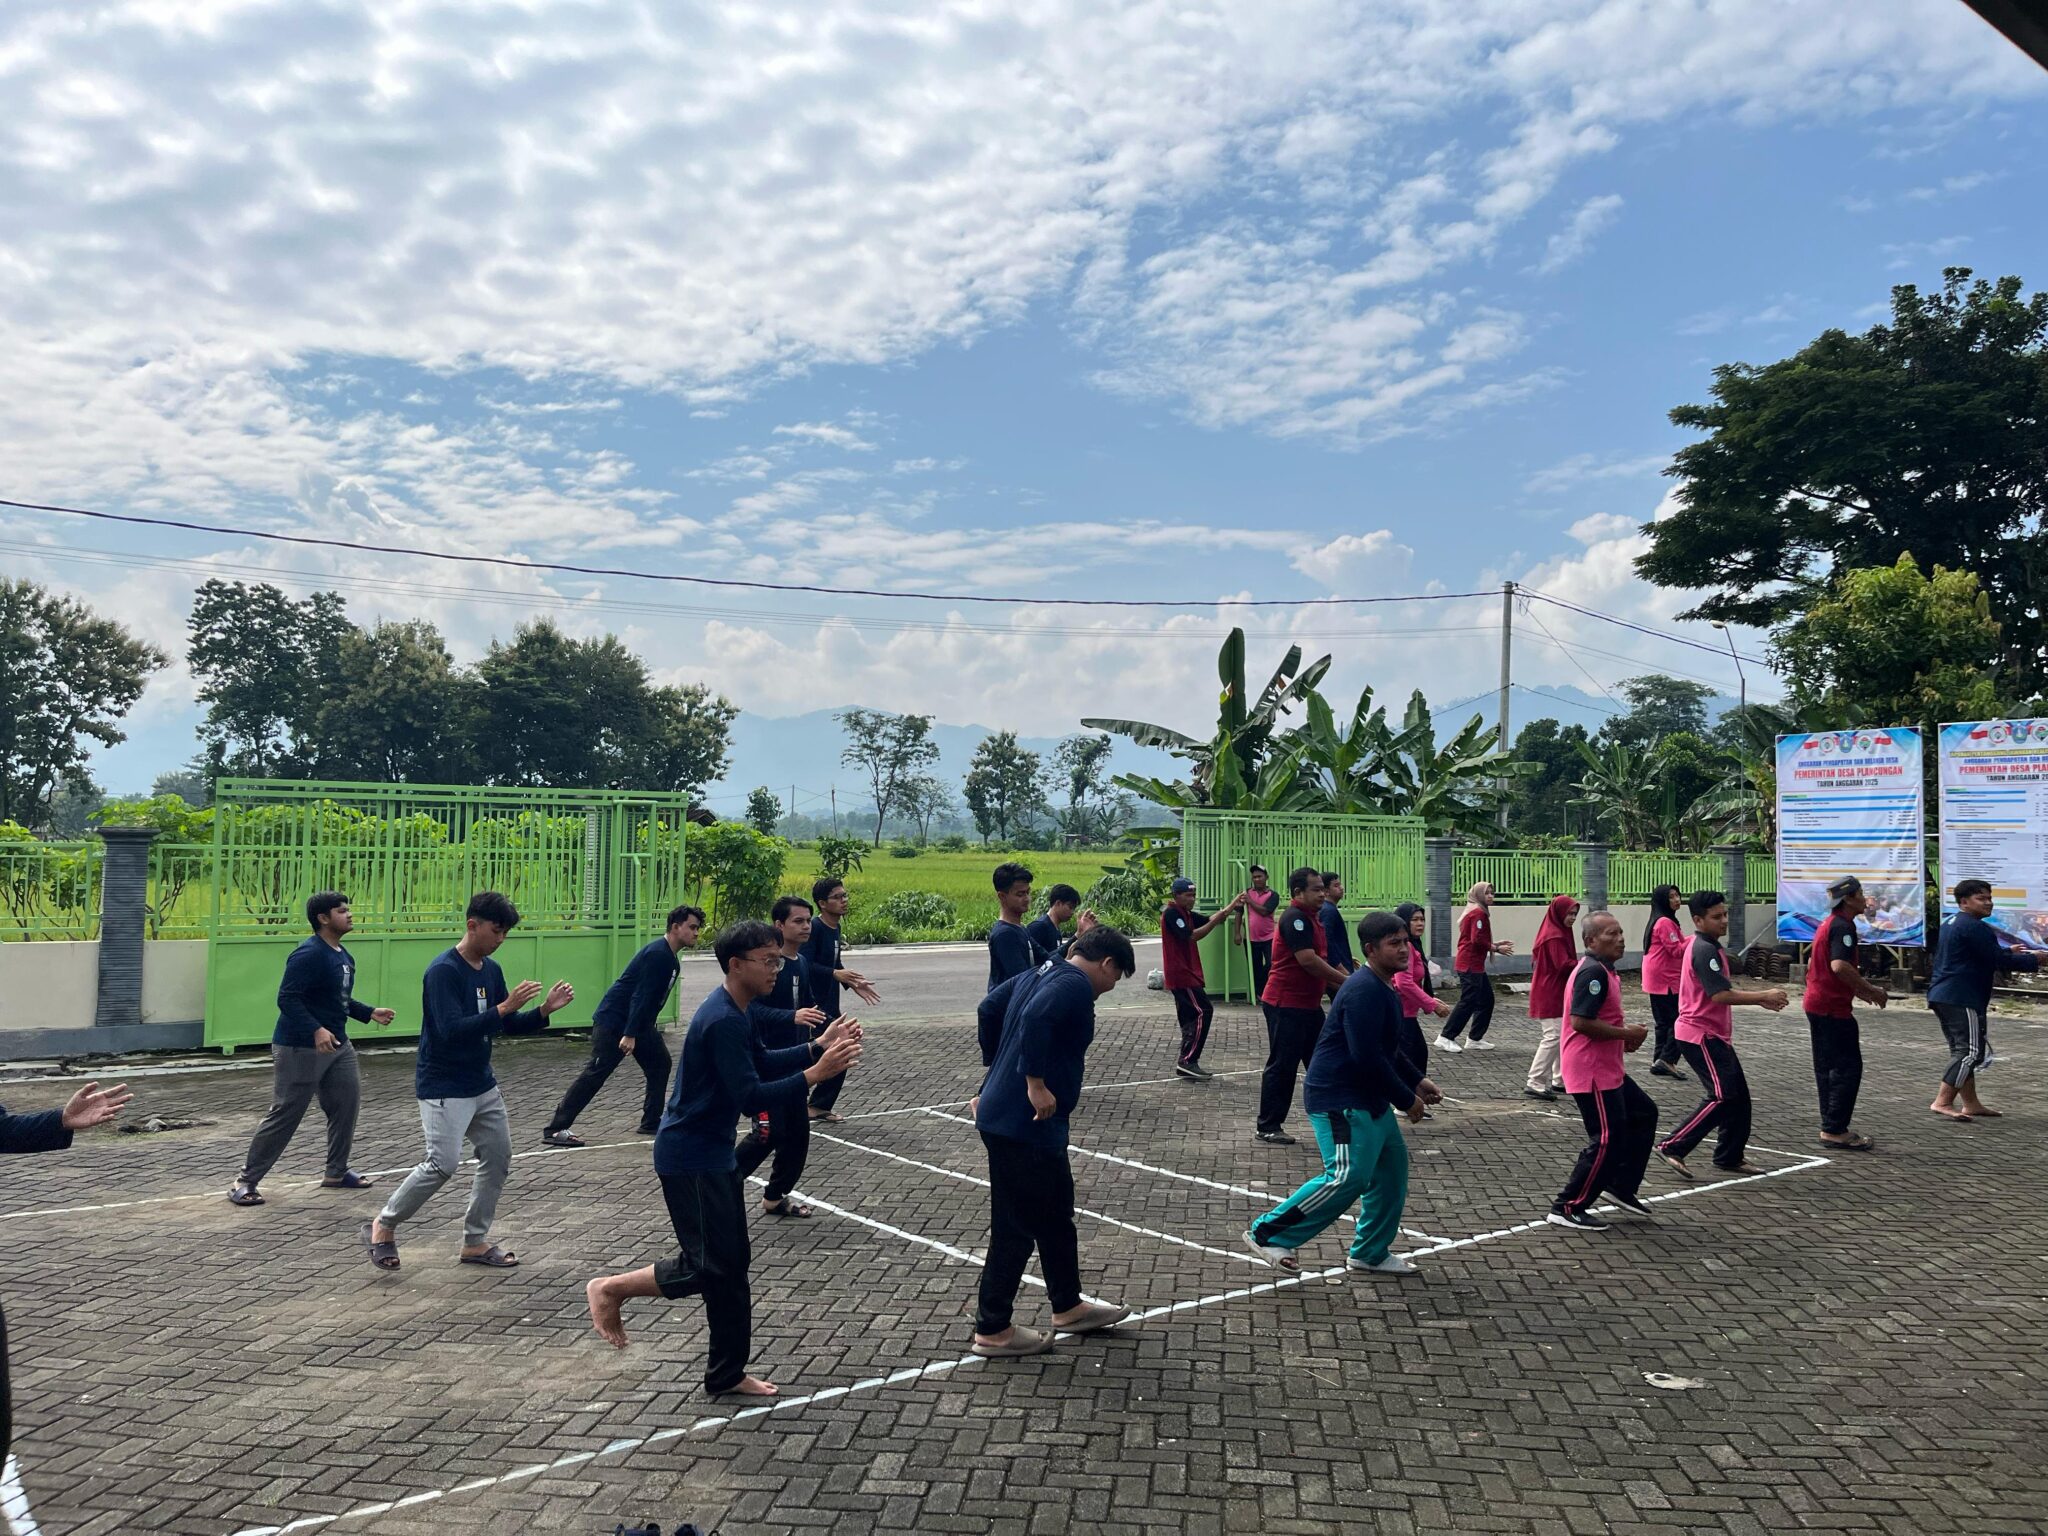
(1994, 819)
(1850, 803)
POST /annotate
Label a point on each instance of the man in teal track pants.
(1357, 1080)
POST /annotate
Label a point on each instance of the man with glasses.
(828, 974)
(784, 1017)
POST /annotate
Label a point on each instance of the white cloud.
(1600, 527)
(1581, 468)
(1359, 564)
(1929, 254)
(828, 434)
(1576, 238)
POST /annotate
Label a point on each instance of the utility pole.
(1741, 677)
(1507, 646)
(835, 809)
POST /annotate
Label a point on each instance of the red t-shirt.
(1475, 940)
(1826, 993)
(1180, 959)
(1287, 984)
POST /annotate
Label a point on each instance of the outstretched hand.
(560, 996)
(93, 1105)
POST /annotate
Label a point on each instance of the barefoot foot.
(750, 1386)
(604, 1314)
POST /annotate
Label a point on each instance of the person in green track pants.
(1357, 1081)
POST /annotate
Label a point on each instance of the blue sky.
(1189, 302)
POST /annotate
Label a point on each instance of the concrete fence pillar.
(1734, 881)
(1594, 898)
(124, 920)
(1436, 859)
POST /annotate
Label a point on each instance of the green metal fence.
(50, 890)
(593, 872)
(1380, 858)
(1760, 878)
(1518, 875)
(1631, 877)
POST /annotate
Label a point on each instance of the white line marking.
(626, 1447)
(1264, 1197)
(882, 1226)
(14, 1501)
(1108, 1221)
(1141, 1082)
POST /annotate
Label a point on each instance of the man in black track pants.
(626, 1025)
(786, 1016)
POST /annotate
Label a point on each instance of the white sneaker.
(1480, 1045)
(1447, 1045)
(1392, 1264)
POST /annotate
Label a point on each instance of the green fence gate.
(1380, 858)
(593, 873)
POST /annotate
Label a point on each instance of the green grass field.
(962, 878)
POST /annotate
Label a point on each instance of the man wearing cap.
(1833, 983)
(1181, 928)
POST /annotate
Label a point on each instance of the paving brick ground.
(1872, 1331)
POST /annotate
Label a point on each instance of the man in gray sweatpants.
(464, 1004)
(310, 1053)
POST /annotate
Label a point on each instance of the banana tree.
(1237, 768)
(1455, 787)
(1622, 789)
(1745, 802)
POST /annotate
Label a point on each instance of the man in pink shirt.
(1261, 902)
(1706, 1034)
(1621, 1119)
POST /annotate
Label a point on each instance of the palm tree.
(1456, 787)
(1745, 803)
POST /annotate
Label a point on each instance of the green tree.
(739, 867)
(1003, 786)
(1542, 804)
(1743, 802)
(1889, 646)
(265, 663)
(191, 785)
(1620, 789)
(1094, 809)
(839, 856)
(398, 711)
(66, 677)
(72, 809)
(892, 750)
(687, 743)
(1926, 438)
(1659, 706)
(763, 810)
(1455, 787)
(924, 798)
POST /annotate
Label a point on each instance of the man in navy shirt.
(828, 973)
(1010, 950)
(464, 1003)
(1357, 1081)
(49, 1130)
(627, 1023)
(1045, 929)
(784, 1016)
(1966, 963)
(310, 1054)
(724, 1072)
(1035, 1030)
(1333, 924)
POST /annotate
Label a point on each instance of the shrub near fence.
(49, 890)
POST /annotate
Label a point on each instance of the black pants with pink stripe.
(1196, 1013)
(1621, 1127)
(1726, 1105)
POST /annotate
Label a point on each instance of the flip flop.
(245, 1194)
(1675, 1165)
(384, 1255)
(562, 1139)
(787, 1207)
(493, 1257)
(827, 1118)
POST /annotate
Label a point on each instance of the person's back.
(1048, 1025)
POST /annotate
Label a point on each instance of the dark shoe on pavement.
(1578, 1221)
(1540, 1093)
(1022, 1341)
(1277, 1138)
(1632, 1203)
(244, 1194)
(1195, 1074)
(562, 1139)
(349, 1180)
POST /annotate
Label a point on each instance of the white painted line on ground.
(625, 1447)
(1264, 1197)
(14, 1501)
(1142, 1082)
(1108, 1221)
(882, 1226)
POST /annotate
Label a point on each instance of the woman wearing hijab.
(1413, 988)
(1475, 987)
(1555, 954)
(1663, 954)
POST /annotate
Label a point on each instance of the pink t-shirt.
(1664, 956)
(1702, 982)
(1259, 926)
(1409, 985)
(1588, 1065)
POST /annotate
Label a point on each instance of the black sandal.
(787, 1207)
(349, 1180)
(245, 1194)
(493, 1257)
(562, 1139)
(383, 1255)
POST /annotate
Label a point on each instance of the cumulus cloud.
(1359, 564)
(1579, 232)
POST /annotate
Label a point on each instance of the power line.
(1600, 709)
(507, 562)
(1537, 618)
(1608, 618)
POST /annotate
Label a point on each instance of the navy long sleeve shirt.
(1046, 937)
(1042, 1023)
(633, 1002)
(1338, 935)
(1357, 1062)
(1968, 962)
(458, 1019)
(822, 951)
(41, 1131)
(722, 1072)
(317, 992)
(774, 1015)
(1010, 953)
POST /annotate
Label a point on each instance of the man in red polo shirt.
(1833, 984)
(1301, 973)
(1181, 928)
